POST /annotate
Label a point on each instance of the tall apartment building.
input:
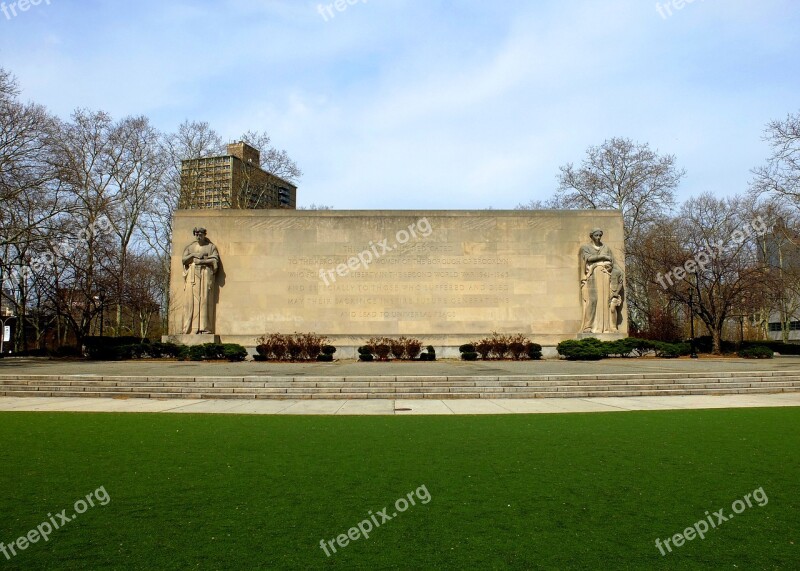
(234, 180)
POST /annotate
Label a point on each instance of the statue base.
(602, 336)
(192, 339)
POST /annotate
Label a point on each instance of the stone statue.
(617, 298)
(200, 265)
(602, 287)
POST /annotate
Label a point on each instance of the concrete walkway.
(397, 407)
(351, 368)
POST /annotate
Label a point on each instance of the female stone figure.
(200, 265)
(601, 301)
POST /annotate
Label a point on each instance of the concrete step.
(463, 393)
(347, 384)
(403, 387)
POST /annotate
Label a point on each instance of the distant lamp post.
(691, 324)
(101, 297)
(4, 321)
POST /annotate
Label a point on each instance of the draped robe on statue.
(597, 263)
(199, 282)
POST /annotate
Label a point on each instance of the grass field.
(589, 491)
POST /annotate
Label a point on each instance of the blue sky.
(430, 104)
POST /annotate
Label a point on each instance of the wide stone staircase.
(400, 387)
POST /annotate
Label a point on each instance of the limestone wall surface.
(446, 277)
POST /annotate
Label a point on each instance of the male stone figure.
(601, 286)
(200, 265)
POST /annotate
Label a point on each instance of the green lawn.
(587, 491)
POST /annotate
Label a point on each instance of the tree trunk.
(716, 340)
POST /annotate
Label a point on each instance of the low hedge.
(592, 349)
(429, 356)
(501, 347)
(775, 346)
(756, 352)
(214, 352)
(387, 348)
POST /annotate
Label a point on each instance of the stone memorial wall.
(446, 277)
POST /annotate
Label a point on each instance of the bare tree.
(138, 180)
(313, 206)
(622, 175)
(710, 256)
(88, 165)
(781, 175)
(275, 161)
(552, 203)
(27, 177)
(145, 295)
(8, 84)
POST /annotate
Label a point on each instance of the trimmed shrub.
(671, 350)
(705, 344)
(213, 351)
(328, 349)
(383, 347)
(534, 351)
(171, 349)
(483, 348)
(469, 356)
(234, 353)
(590, 349)
(312, 345)
(109, 348)
(382, 351)
(776, 346)
(323, 358)
(413, 348)
(500, 345)
(155, 350)
(667, 350)
(196, 353)
(297, 347)
(756, 352)
(430, 355)
(183, 354)
(517, 346)
(397, 348)
(294, 346)
(366, 357)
